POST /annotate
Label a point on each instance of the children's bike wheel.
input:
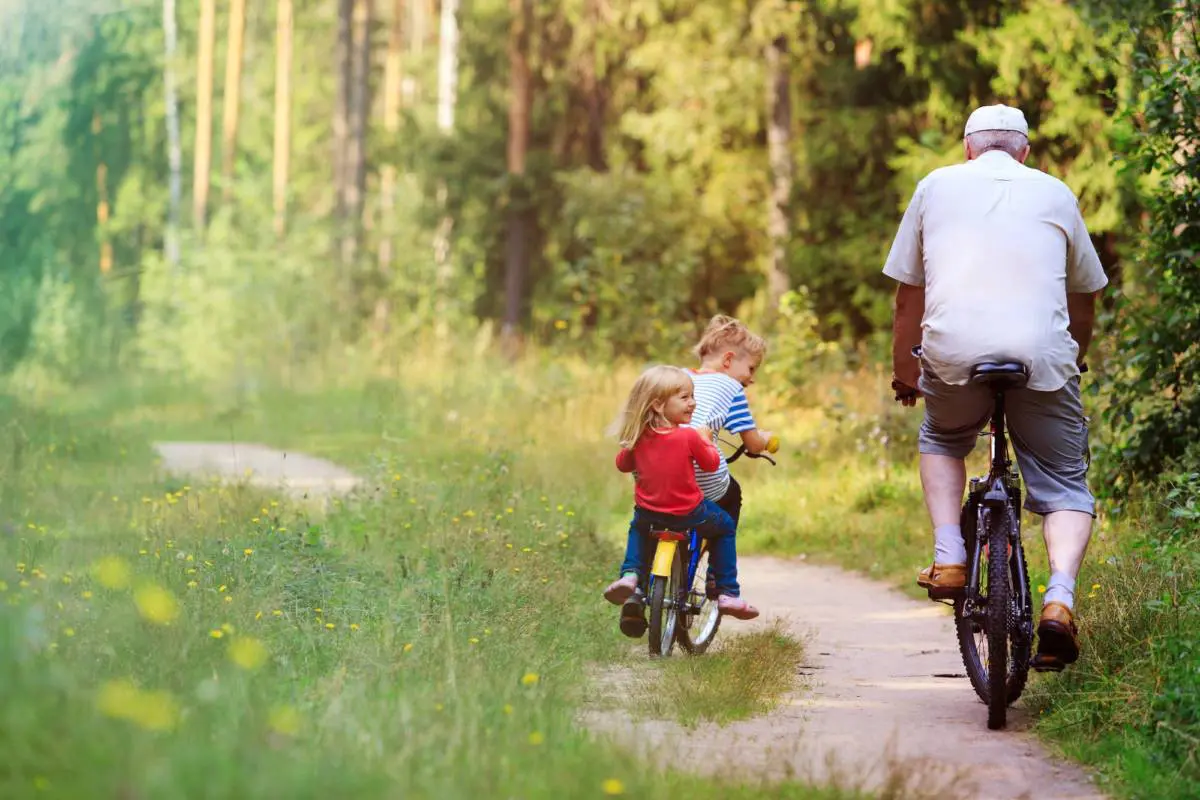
(664, 607)
(700, 619)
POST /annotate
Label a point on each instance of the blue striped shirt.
(720, 404)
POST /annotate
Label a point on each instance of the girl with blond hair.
(661, 450)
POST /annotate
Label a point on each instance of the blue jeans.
(709, 520)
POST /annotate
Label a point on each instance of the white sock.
(1061, 589)
(948, 546)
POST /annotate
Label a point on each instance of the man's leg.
(1067, 534)
(944, 479)
(953, 418)
(1049, 434)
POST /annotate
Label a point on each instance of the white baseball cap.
(996, 118)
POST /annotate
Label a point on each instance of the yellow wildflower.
(112, 572)
(612, 787)
(68, 632)
(408, 647)
(508, 709)
(87, 595)
(284, 720)
(247, 653)
(155, 711)
(473, 640)
(249, 551)
(353, 626)
(277, 613)
(536, 738)
(156, 604)
(330, 625)
(216, 633)
(529, 679)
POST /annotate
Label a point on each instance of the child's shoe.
(736, 607)
(633, 616)
(621, 589)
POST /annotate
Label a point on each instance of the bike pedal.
(936, 593)
(1044, 663)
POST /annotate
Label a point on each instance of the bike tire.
(998, 616)
(1020, 633)
(1020, 643)
(663, 608)
(697, 631)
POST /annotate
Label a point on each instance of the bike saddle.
(1000, 374)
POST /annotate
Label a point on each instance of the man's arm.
(1081, 311)
(906, 333)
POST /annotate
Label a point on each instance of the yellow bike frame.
(663, 557)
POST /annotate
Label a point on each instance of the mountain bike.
(993, 614)
(681, 602)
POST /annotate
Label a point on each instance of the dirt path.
(884, 687)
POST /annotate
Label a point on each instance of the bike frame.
(1000, 488)
(664, 555)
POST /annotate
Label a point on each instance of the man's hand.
(706, 433)
(905, 395)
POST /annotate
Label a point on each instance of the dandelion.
(508, 709)
(284, 720)
(66, 579)
(508, 545)
(473, 640)
(156, 604)
(87, 595)
(192, 584)
(612, 787)
(560, 324)
(468, 514)
(353, 626)
(258, 615)
(228, 598)
(408, 647)
(397, 477)
(249, 551)
(529, 679)
(1095, 586)
(526, 549)
(254, 519)
(68, 632)
(508, 510)
(21, 567)
(536, 738)
(112, 572)
(222, 588)
(329, 626)
(216, 633)
(277, 613)
(317, 610)
(154, 711)
(1041, 588)
(247, 653)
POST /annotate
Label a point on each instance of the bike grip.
(773, 444)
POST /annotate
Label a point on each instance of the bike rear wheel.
(700, 620)
(971, 614)
(664, 606)
(999, 590)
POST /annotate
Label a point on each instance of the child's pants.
(710, 521)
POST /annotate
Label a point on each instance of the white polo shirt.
(997, 246)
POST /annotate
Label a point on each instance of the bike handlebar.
(772, 447)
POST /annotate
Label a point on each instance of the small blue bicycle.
(681, 602)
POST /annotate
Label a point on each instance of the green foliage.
(1153, 406)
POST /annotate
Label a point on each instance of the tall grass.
(165, 638)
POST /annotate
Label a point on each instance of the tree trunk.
(594, 91)
(283, 112)
(341, 112)
(102, 207)
(447, 98)
(174, 150)
(392, 101)
(519, 227)
(233, 88)
(204, 90)
(448, 66)
(779, 145)
(356, 155)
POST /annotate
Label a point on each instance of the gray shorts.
(1048, 431)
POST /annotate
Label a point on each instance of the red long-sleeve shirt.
(666, 480)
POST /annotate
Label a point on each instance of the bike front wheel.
(664, 607)
(700, 619)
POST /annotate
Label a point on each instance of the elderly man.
(994, 263)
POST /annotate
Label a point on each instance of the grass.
(741, 677)
(166, 639)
